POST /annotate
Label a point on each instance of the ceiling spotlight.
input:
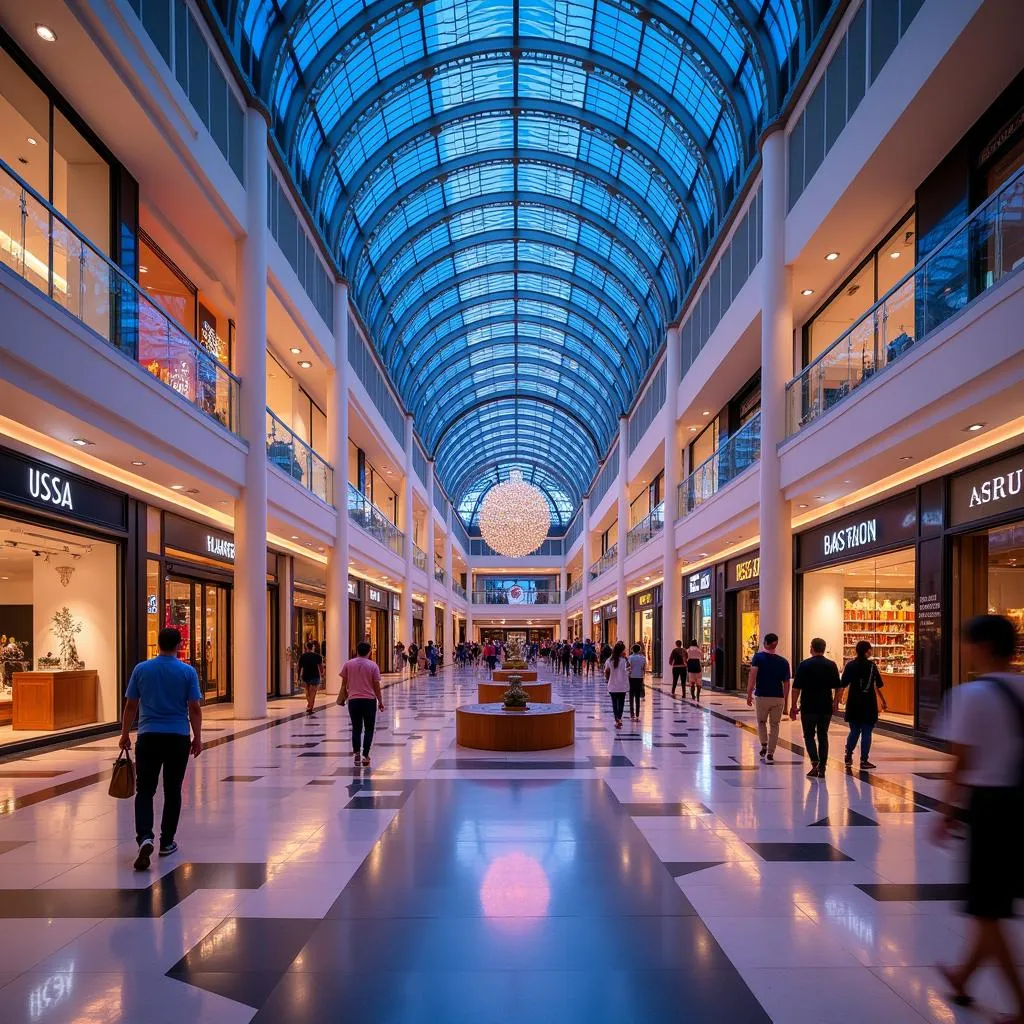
(706, 412)
(819, 497)
(846, 481)
(802, 505)
(192, 490)
(895, 254)
(143, 269)
(32, 141)
(974, 428)
(702, 554)
(807, 291)
(295, 536)
(693, 430)
(906, 458)
(831, 256)
(137, 462)
(177, 487)
(46, 33)
(294, 351)
(305, 364)
(82, 442)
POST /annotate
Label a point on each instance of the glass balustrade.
(648, 527)
(370, 519)
(986, 248)
(605, 562)
(439, 575)
(506, 597)
(419, 558)
(574, 589)
(734, 456)
(459, 589)
(43, 248)
(295, 458)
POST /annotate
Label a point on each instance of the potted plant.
(65, 629)
(514, 698)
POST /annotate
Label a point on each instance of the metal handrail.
(645, 530)
(120, 307)
(865, 349)
(573, 589)
(369, 518)
(459, 589)
(419, 557)
(291, 454)
(534, 597)
(732, 457)
(605, 562)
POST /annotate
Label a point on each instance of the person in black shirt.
(863, 684)
(311, 673)
(815, 680)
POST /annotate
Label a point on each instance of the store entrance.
(700, 622)
(746, 635)
(202, 613)
(375, 635)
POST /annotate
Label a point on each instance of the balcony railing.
(43, 248)
(735, 455)
(605, 562)
(370, 518)
(648, 527)
(419, 558)
(986, 248)
(287, 451)
(505, 597)
(459, 589)
(574, 589)
(439, 575)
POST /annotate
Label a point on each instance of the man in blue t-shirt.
(769, 683)
(165, 693)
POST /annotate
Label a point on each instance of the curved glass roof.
(520, 193)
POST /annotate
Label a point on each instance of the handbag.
(122, 781)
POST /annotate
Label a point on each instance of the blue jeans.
(862, 732)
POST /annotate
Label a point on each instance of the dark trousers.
(156, 751)
(618, 703)
(815, 725)
(860, 731)
(363, 712)
(679, 678)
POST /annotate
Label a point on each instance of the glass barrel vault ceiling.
(520, 193)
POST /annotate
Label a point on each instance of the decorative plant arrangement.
(65, 629)
(12, 658)
(514, 698)
(515, 659)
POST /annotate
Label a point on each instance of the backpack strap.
(1018, 707)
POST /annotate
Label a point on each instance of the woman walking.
(311, 673)
(360, 686)
(862, 683)
(637, 667)
(616, 672)
(694, 669)
(677, 662)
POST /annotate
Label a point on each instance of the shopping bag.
(122, 782)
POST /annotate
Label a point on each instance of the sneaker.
(145, 852)
(867, 764)
(769, 758)
(764, 750)
(848, 760)
(166, 849)
(813, 773)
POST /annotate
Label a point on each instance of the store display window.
(59, 632)
(870, 599)
(748, 632)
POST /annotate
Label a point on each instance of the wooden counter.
(504, 675)
(54, 700)
(491, 727)
(490, 693)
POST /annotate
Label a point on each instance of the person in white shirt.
(984, 721)
(616, 671)
(637, 668)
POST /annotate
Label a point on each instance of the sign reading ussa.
(51, 488)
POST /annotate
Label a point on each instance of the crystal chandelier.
(514, 517)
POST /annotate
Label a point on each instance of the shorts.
(694, 666)
(993, 857)
(315, 681)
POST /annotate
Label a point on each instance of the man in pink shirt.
(360, 686)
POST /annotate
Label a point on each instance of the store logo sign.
(374, 594)
(220, 547)
(997, 488)
(353, 589)
(595, 618)
(698, 581)
(645, 599)
(856, 536)
(748, 570)
(50, 488)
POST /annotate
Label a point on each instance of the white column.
(339, 643)
(407, 508)
(469, 599)
(285, 615)
(449, 598)
(588, 627)
(429, 614)
(776, 368)
(622, 623)
(671, 588)
(563, 620)
(250, 585)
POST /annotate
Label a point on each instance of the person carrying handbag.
(862, 685)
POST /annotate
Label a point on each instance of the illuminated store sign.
(748, 570)
(989, 491)
(698, 582)
(220, 547)
(891, 524)
(646, 599)
(374, 595)
(855, 536)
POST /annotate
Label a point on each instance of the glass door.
(179, 612)
(214, 674)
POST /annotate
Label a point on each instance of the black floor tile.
(242, 778)
(916, 892)
(609, 761)
(850, 818)
(798, 852)
(665, 810)
(679, 868)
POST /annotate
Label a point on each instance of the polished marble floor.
(654, 874)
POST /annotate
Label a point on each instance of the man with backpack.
(984, 723)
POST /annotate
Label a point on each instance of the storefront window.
(748, 633)
(700, 629)
(58, 631)
(705, 445)
(871, 599)
(152, 607)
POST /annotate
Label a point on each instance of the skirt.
(994, 851)
(694, 667)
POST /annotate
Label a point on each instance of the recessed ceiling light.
(706, 412)
(895, 254)
(807, 291)
(32, 141)
(143, 269)
(82, 442)
(804, 505)
(693, 430)
(192, 490)
(137, 462)
(46, 33)
(294, 351)
(305, 364)
(975, 427)
(702, 554)
(295, 536)
(906, 458)
(177, 487)
(831, 256)
(819, 497)
(846, 481)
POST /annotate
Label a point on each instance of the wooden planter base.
(490, 727)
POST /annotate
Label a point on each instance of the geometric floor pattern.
(657, 873)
